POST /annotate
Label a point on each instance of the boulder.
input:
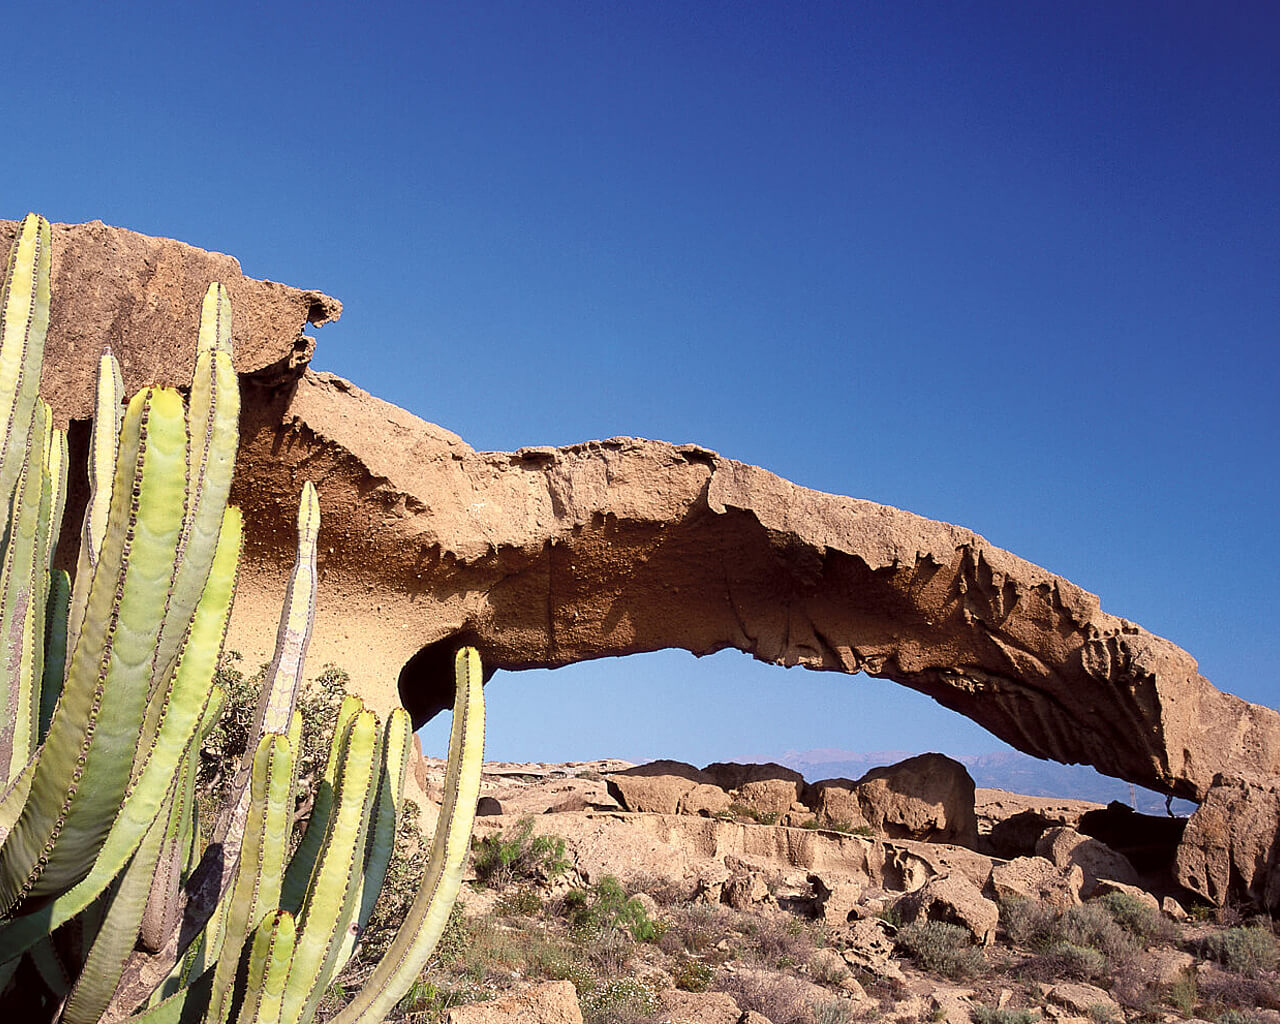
(554, 1002)
(705, 800)
(656, 787)
(953, 900)
(1035, 878)
(1231, 847)
(835, 802)
(1065, 847)
(487, 805)
(867, 945)
(928, 797)
(1106, 886)
(767, 789)
(1086, 1000)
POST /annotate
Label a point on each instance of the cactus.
(107, 906)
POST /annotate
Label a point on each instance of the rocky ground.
(734, 894)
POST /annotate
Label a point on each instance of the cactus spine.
(109, 689)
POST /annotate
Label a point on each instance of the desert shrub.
(691, 975)
(225, 745)
(606, 906)
(780, 998)
(618, 1001)
(666, 892)
(844, 827)
(696, 928)
(1092, 925)
(779, 940)
(500, 860)
(1249, 950)
(1029, 923)
(992, 1015)
(1140, 919)
(522, 901)
(1067, 960)
(943, 948)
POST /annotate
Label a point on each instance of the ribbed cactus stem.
(421, 930)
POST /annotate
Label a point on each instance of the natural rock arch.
(548, 556)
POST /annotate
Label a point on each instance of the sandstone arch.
(548, 556)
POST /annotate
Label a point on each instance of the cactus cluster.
(111, 905)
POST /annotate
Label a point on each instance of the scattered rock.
(868, 945)
(1173, 909)
(1035, 878)
(1086, 1000)
(1066, 847)
(1165, 966)
(555, 1002)
(954, 900)
(1107, 885)
(677, 1007)
(745, 890)
(952, 1005)
(487, 805)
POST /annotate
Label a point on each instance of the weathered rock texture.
(547, 556)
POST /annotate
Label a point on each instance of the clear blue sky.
(1014, 266)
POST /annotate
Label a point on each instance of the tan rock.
(1106, 885)
(955, 900)
(1173, 909)
(1227, 849)
(1035, 878)
(656, 787)
(544, 557)
(705, 800)
(928, 797)
(679, 1007)
(764, 788)
(835, 802)
(554, 1002)
(745, 890)
(868, 945)
(1066, 847)
(909, 864)
(952, 1005)
(1086, 1000)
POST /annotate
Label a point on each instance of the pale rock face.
(1066, 848)
(929, 797)
(954, 900)
(547, 556)
(1233, 836)
(555, 1002)
(764, 788)
(1035, 878)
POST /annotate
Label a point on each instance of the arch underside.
(545, 557)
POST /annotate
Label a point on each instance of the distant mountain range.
(1016, 772)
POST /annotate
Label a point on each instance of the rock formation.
(546, 556)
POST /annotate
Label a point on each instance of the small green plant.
(1139, 919)
(691, 975)
(1067, 960)
(1249, 950)
(1184, 993)
(521, 902)
(940, 947)
(608, 906)
(843, 827)
(994, 1015)
(617, 1001)
(500, 860)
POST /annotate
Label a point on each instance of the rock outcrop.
(546, 556)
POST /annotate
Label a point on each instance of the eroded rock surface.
(545, 556)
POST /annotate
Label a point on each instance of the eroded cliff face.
(544, 557)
